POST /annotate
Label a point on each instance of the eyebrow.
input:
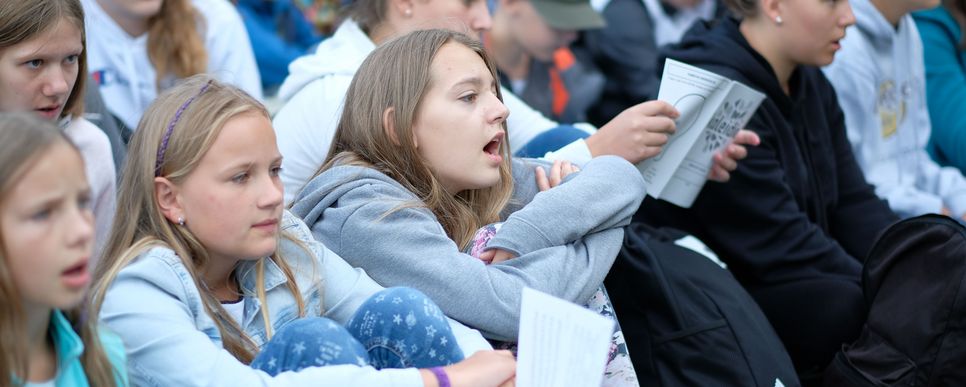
(473, 80)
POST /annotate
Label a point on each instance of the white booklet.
(713, 108)
(561, 343)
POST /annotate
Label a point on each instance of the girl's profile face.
(47, 230)
(232, 201)
(38, 74)
(458, 128)
(812, 29)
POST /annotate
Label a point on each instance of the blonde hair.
(397, 75)
(23, 139)
(21, 21)
(203, 106)
(175, 41)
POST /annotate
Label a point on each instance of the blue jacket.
(279, 34)
(69, 348)
(171, 341)
(945, 85)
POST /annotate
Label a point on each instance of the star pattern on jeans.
(443, 341)
(299, 348)
(396, 319)
(430, 331)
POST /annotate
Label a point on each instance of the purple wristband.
(441, 376)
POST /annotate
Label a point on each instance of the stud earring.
(181, 221)
(778, 20)
(408, 12)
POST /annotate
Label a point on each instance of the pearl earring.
(778, 20)
(408, 12)
(181, 221)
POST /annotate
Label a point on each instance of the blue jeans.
(395, 328)
(551, 140)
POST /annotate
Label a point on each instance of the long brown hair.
(139, 223)
(21, 21)
(397, 75)
(24, 138)
(176, 41)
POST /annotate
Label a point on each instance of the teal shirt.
(69, 348)
(945, 85)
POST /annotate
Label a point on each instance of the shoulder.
(155, 269)
(86, 135)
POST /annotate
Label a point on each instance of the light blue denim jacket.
(171, 341)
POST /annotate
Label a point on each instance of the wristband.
(441, 376)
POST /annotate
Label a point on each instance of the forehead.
(454, 62)
(246, 135)
(64, 37)
(49, 171)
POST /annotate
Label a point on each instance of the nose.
(480, 19)
(272, 193)
(81, 231)
(498, 112)
(56, 83)
(848, 18)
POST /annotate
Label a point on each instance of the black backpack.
(913, 283)
(687, 321)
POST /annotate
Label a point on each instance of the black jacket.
(798, 206)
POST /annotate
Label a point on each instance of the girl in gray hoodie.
(420, 162)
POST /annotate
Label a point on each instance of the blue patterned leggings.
(395, 328)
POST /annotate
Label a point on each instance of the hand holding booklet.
(561, 343)
(713, 108)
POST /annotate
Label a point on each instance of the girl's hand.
(558, 172)
(483, 369)
(492, 256)
(727, 160)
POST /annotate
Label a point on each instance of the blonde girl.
(46, 240)
(210, 282)
(139, 48)
(43, 71)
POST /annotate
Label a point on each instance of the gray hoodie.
(565, 239)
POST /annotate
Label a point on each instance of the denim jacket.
(170, 340)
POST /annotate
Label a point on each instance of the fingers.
(542, 183)
(728, 159)
(487, 256)
(555, 173)
(657, 108)
(502, 255)
(747, 137)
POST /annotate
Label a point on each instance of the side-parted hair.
(140, 225)
(398, 75)
(24, 138)
(21, 21)
(176, 42)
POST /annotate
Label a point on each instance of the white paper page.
(733, 114)
(561, 343)
(695, 93)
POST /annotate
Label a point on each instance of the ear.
(166, 194)
(400, 6)
(771, 9)
(389, 124)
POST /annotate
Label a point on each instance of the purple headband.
(174, 121)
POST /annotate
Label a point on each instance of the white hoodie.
(120, 64)
(879, 78)
(314, 93)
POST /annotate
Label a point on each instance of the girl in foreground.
(210, 282)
